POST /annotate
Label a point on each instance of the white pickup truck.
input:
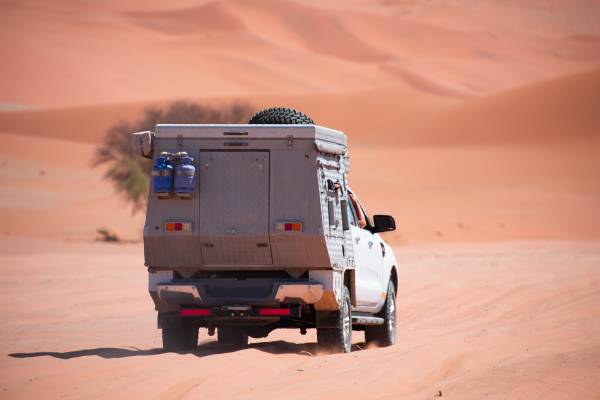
(253, 227)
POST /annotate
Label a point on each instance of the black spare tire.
(280, 116)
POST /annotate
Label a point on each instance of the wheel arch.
(350, 282)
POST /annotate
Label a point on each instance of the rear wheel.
(384, 335)
(339, 338)
(180, 339)
(232, 336)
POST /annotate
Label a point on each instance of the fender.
(390, 272)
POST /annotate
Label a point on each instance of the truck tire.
(338, 339)
(232, 336)
(384, 335)
(280, 116)
(180, 339)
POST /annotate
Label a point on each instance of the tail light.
(274, 311)
(289, 227)
(195, 312)
(178, 226)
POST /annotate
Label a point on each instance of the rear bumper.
(211, 292)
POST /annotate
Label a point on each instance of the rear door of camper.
(234, 207)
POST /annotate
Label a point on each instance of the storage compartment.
(234, 207)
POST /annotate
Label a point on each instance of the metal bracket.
(290, 140)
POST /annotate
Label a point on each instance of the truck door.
(234, 208)
(368, 258)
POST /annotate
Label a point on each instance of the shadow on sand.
(204, 349)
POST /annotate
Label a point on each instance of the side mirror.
(383, 223)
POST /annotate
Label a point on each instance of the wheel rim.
(392, 318)
(346, 327)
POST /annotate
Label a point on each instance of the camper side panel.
(295, 198)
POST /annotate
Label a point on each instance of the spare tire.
(281, 116)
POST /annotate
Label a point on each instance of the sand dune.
(564, 110)
(360, 114)
(103, 53)
(554, 111)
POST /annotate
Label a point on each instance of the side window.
(352, 214)
(369, 224)
(360, 216)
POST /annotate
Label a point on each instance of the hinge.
(290, 139)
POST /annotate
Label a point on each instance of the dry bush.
(105, 235)
(130, 173)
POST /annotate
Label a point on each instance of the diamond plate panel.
(234, 207)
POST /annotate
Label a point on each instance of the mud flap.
(169, 320)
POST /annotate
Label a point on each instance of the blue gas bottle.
(162, 176)
(185, 177)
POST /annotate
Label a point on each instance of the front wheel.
(339, 338)
(384, 335)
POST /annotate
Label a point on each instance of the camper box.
(266, 197)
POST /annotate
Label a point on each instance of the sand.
(513, 320)
(476, 124)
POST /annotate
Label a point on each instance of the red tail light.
(195, 312)
(178, 226)
(274, 311)
(289, 226)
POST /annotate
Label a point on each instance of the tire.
(338, 339)
(232, 336)
(180, 339)
(280, 116)
(384, 335)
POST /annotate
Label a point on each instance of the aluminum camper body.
(250, 179)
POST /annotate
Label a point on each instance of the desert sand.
(513, 320)
(476, 124)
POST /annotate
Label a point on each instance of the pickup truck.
(254, 227)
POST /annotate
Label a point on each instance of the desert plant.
(106, 235)
(130, 173)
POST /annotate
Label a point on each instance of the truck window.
(369, 224)
(359, 212)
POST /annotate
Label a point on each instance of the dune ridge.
(560, 110)
(557, 111)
